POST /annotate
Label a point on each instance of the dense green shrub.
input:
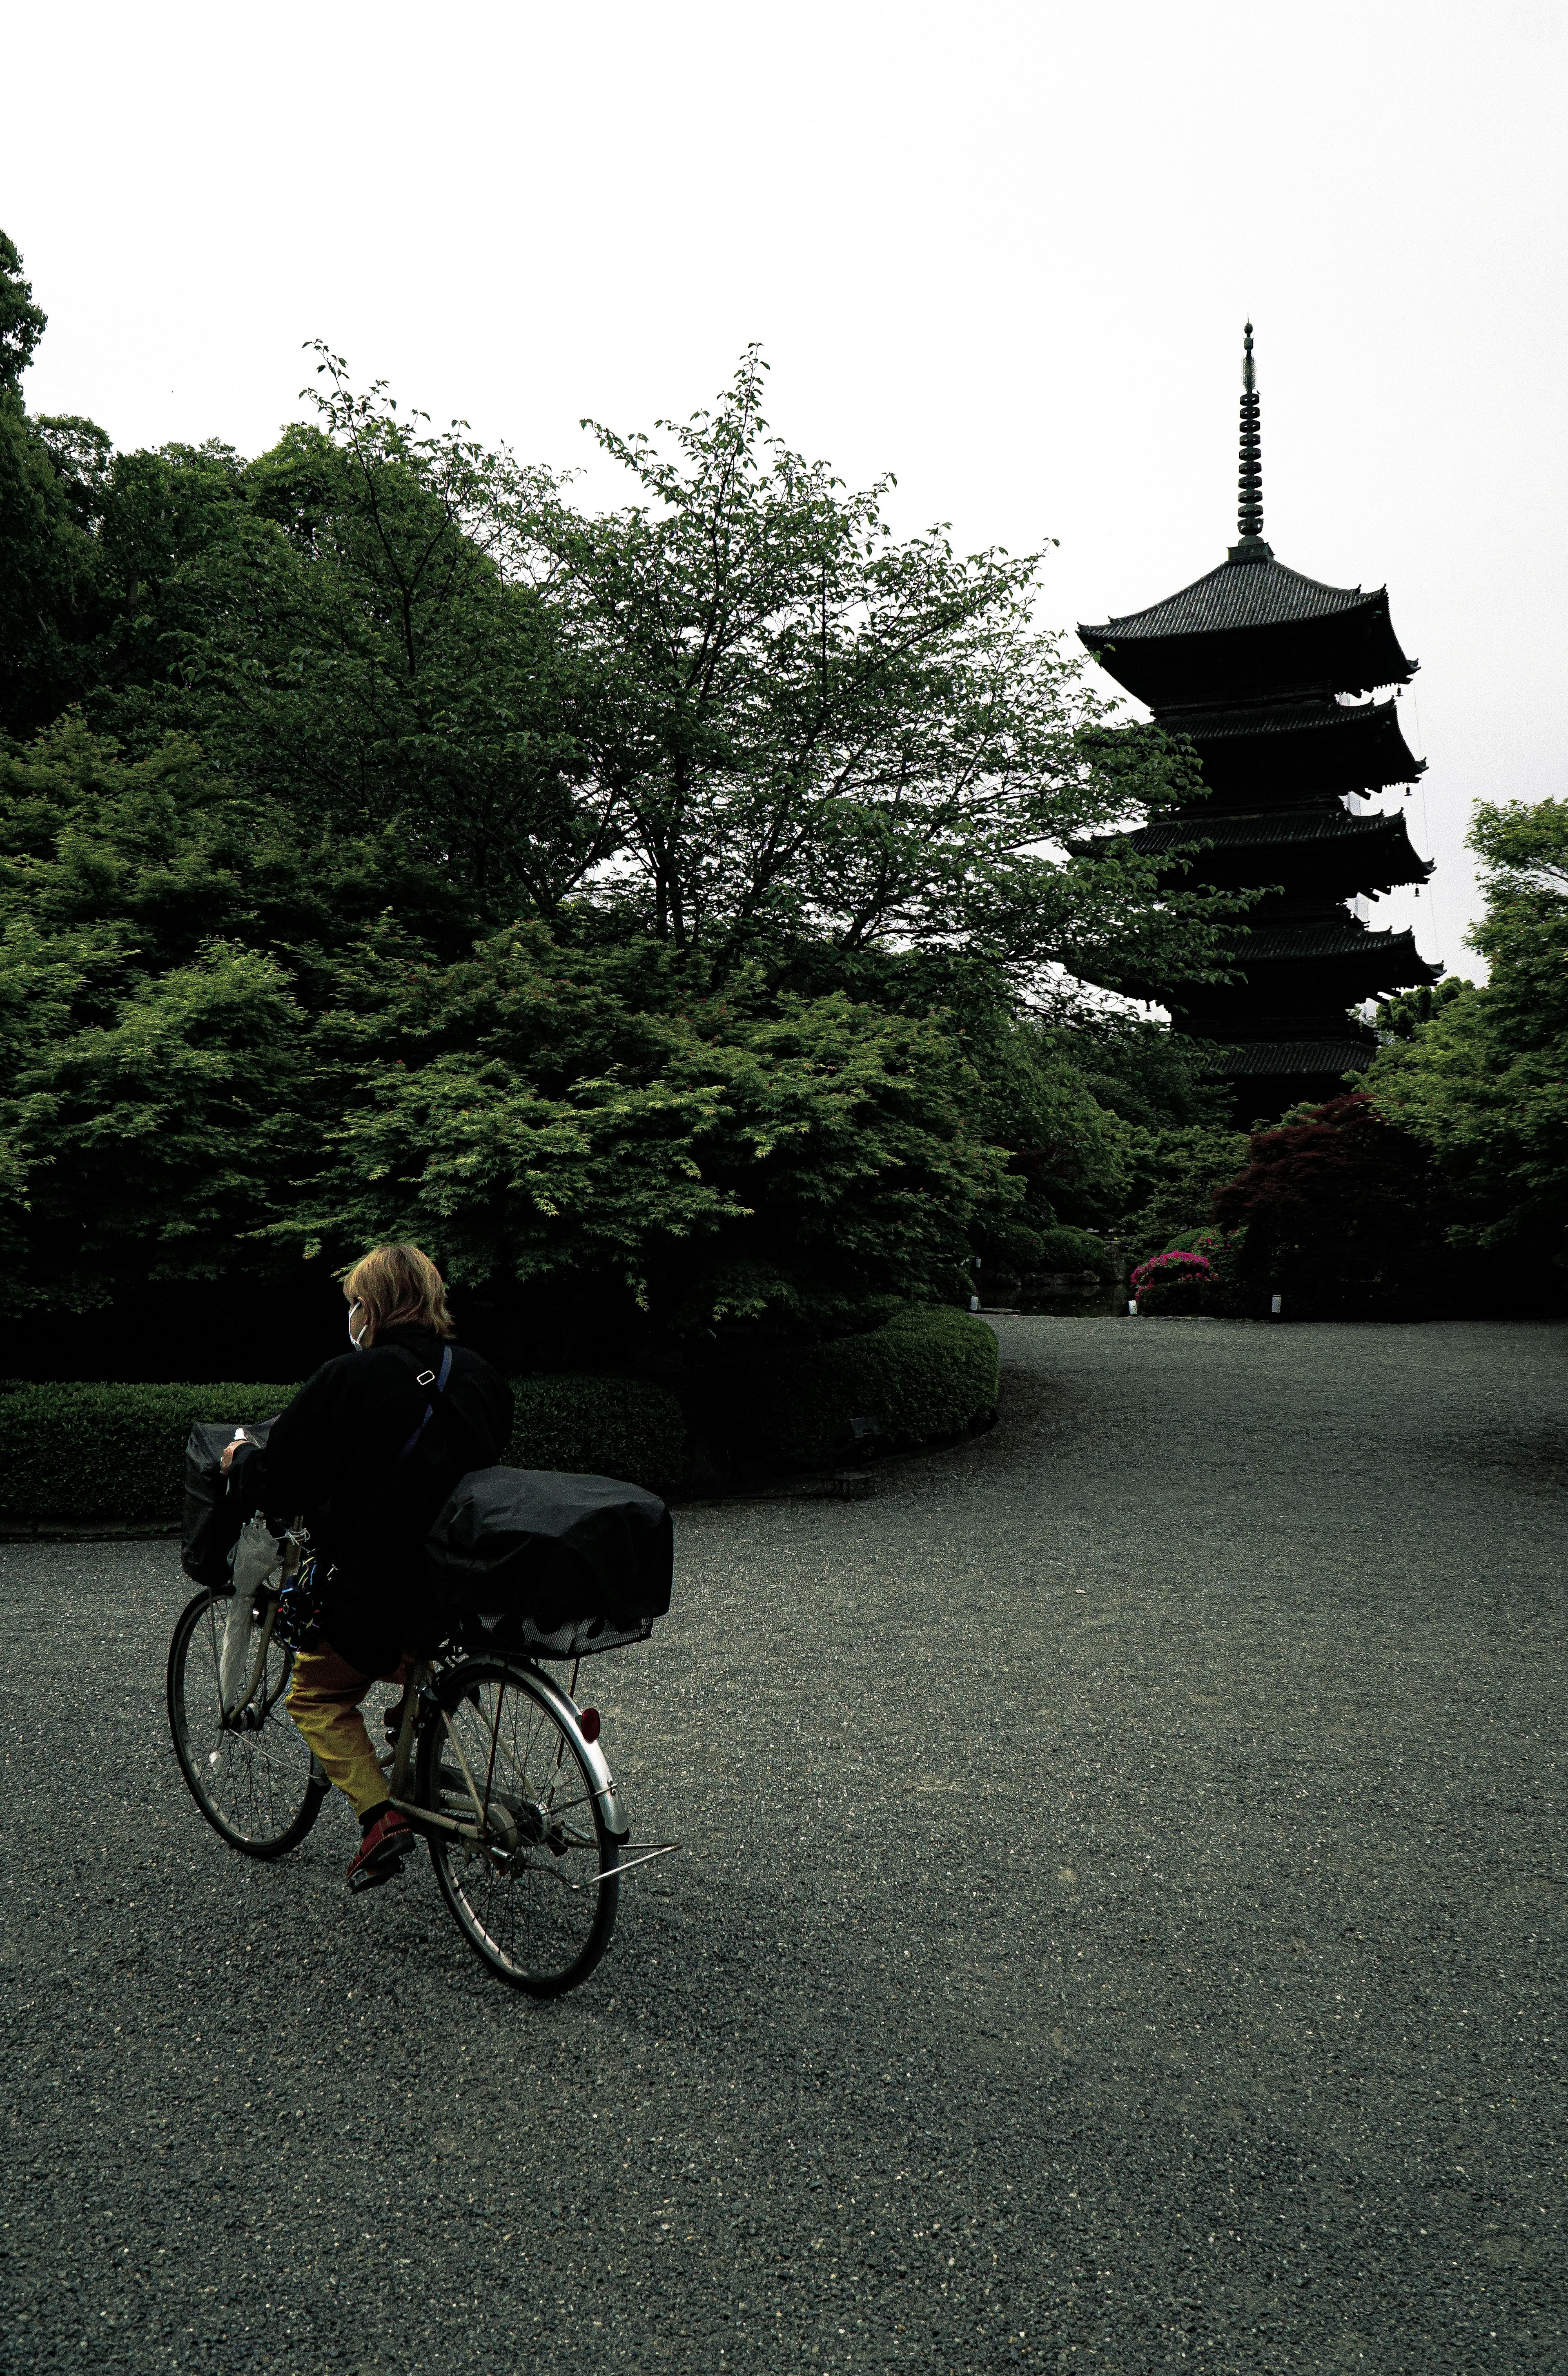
(609, 1426)
(105, 1454)
(1184, 1167)
(1063, 1249)
(101, 1453)
(930, 1371)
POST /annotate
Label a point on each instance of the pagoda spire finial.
(1250, 512)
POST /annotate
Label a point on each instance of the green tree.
(22, 323)
(345, 626)
(146, 1120)
(551, 1115)
(1401, 1017)
(1482, 1080)
(806, 734)
(1178, 1169)
(224, 1036)
(159, 514)
(738, 715)
(176, 851)
(49, 476)
(166, 945)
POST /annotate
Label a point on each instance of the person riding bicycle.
(367, 1451)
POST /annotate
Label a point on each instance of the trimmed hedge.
(930, 1371)
(114, 1455)
(609, 1426)
(106, 1454)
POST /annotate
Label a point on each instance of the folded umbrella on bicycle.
(544, 1561)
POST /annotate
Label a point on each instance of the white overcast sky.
(1003, 250)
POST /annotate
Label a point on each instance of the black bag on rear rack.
(216, 1506)
(549, 1564)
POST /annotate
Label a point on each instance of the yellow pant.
(323, 1700)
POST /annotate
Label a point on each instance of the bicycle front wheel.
(530, 1873)
(251, 1773)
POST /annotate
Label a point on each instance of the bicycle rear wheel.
(253, 1777)
(532, 1886)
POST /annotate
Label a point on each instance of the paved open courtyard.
(1121, 1928)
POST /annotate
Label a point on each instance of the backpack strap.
(436, 1378)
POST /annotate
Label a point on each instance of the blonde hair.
(399, 1287)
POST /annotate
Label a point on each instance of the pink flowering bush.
(1173, 1283)
(1164, 1270)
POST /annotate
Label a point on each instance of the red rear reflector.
(590, 1722)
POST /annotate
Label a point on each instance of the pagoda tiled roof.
(1240, 593)
(1334, 1056)
(1323, 844)
(1235, 721)
(1322, 960)
(1251, 628)
(1289, 943)
(1230, 829)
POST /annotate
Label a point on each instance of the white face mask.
(357, 1337)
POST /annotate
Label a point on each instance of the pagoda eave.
(1296, 741)
(1294, 972)
(1280, 1057)
(1328, 853)
(1333, 943)
(1353, 651)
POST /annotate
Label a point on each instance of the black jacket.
(334, 1455)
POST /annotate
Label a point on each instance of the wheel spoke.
(543, 1938)
(252, 1775)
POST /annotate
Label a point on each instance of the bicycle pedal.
(386, 1866)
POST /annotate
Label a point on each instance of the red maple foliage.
(1340, 1212)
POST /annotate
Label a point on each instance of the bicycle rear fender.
(592, 1755)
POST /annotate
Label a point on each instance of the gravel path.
(1119, 1929)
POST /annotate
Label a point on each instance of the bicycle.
(494, 1763)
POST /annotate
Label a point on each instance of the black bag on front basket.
(558, 1566)
(216, 1506)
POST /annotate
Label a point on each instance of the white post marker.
(1132, 1311)
(1275, 1306)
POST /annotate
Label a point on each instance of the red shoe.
(387, 1842)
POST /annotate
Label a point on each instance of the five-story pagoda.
(1264, 669)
